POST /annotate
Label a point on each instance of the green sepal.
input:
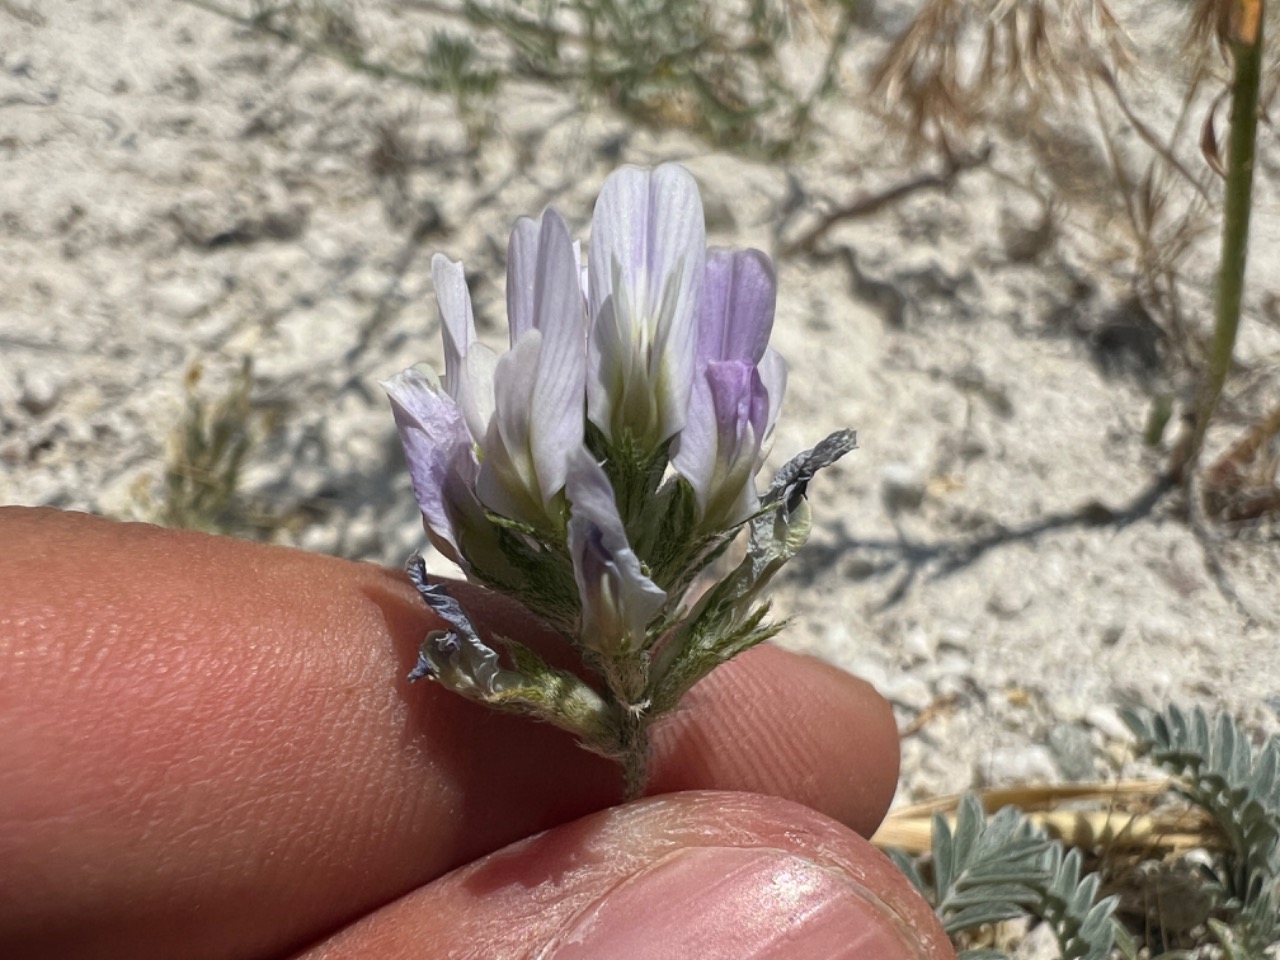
(635, 474)
(534, 570)
(728, 619)
(668, 544)
(699, 651)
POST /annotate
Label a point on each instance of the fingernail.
(731, 902)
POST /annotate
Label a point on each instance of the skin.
(208, 749)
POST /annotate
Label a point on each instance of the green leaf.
(1218, 771)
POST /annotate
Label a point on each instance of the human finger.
(209, 744)
(701, 875)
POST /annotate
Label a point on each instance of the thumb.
(697, 875)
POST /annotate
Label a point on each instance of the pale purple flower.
(649, 368)
(507, 425)
(671, 344)
(539, 383)
(645, 267)
(618, 600)
(442, 465)
(737, 388)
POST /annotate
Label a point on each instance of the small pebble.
(39, 392)
(181, 299)
(1041, 943)
(952, 686)
(902, 487)
(1162, 630)
(1068, 707)
(1106, 720)
(1009, 599)
(917, 644)
(1073, 749)
(362, 538)
(952, 663)
(319, 539)
(907, 691)
(1111, 634)
(872, 671)
(1009, 765)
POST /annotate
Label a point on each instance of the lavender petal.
(618, 600)
(438, 449)
(735, 316)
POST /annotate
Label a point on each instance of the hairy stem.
(627, 676)
(635, 754)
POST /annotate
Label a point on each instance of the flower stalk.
(1242, 36)
(596, 469)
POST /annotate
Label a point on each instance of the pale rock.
(873, 671)
(836, 636)
(361, 539)
(1010, 598)
(1005, 766)
(39, 391)
(918, 645)
(1040, 943)
(182, 299)
(951, 663)
(906, 690)
(1161, 630)
(1073, 748)
(1106, 720)
(1068, 707)
(902, 487)
(954, 635)
(952, 686)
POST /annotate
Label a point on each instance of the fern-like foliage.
(1001, 868)
(1082, 923)
(1217, 770)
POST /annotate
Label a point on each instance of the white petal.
(650, 224)
(458, 323)
(508, 483)
(556, 408)
(522, 276)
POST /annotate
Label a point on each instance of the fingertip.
(703, 874)
(784, 724)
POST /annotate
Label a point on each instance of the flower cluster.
(599, 465)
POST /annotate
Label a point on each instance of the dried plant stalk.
(1130, 821)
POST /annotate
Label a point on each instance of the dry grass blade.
(1129, 819)
(1209, 138)
(1242, 484)
(206, 455)
(1210, 19)
(1028, 54)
